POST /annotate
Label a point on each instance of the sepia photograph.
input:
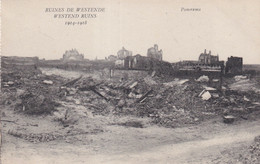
(130, 82)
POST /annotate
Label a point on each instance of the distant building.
(154, 53)
(112, 58)
(123, 53)
(234, 65)
(206, 62)
(72, 54)
(207, 58)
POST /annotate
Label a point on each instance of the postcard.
(130, 81)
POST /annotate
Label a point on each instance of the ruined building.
(139, 62)
(123, 53)
(154, 53)
(234, 65)
(207, 58)
(72, 54)
(111, 58)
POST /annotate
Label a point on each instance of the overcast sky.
(227, 27)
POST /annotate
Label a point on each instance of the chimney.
(156, 47)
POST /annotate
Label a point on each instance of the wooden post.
(221, 79)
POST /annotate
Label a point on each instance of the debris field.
(78, 104)
(168, 101)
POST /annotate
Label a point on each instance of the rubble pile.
(26, 89)
(35, 104)
(238, 103)
(15, 77)
(173, 106)
(169, 104)
(168, 101)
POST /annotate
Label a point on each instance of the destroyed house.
(154, 53)
(139, 62)
(123, 53)
(111, 58)
(234, 65)
(134, 62)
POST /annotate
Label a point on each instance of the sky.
(227, 28)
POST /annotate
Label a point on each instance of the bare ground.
(210, 142)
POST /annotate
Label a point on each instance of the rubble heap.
(28, 92)
(168, 101)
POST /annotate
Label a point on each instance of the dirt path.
(211, 142)
(201, 151)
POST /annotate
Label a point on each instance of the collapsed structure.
(111, 58)
(234, 65)
(123, 53)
